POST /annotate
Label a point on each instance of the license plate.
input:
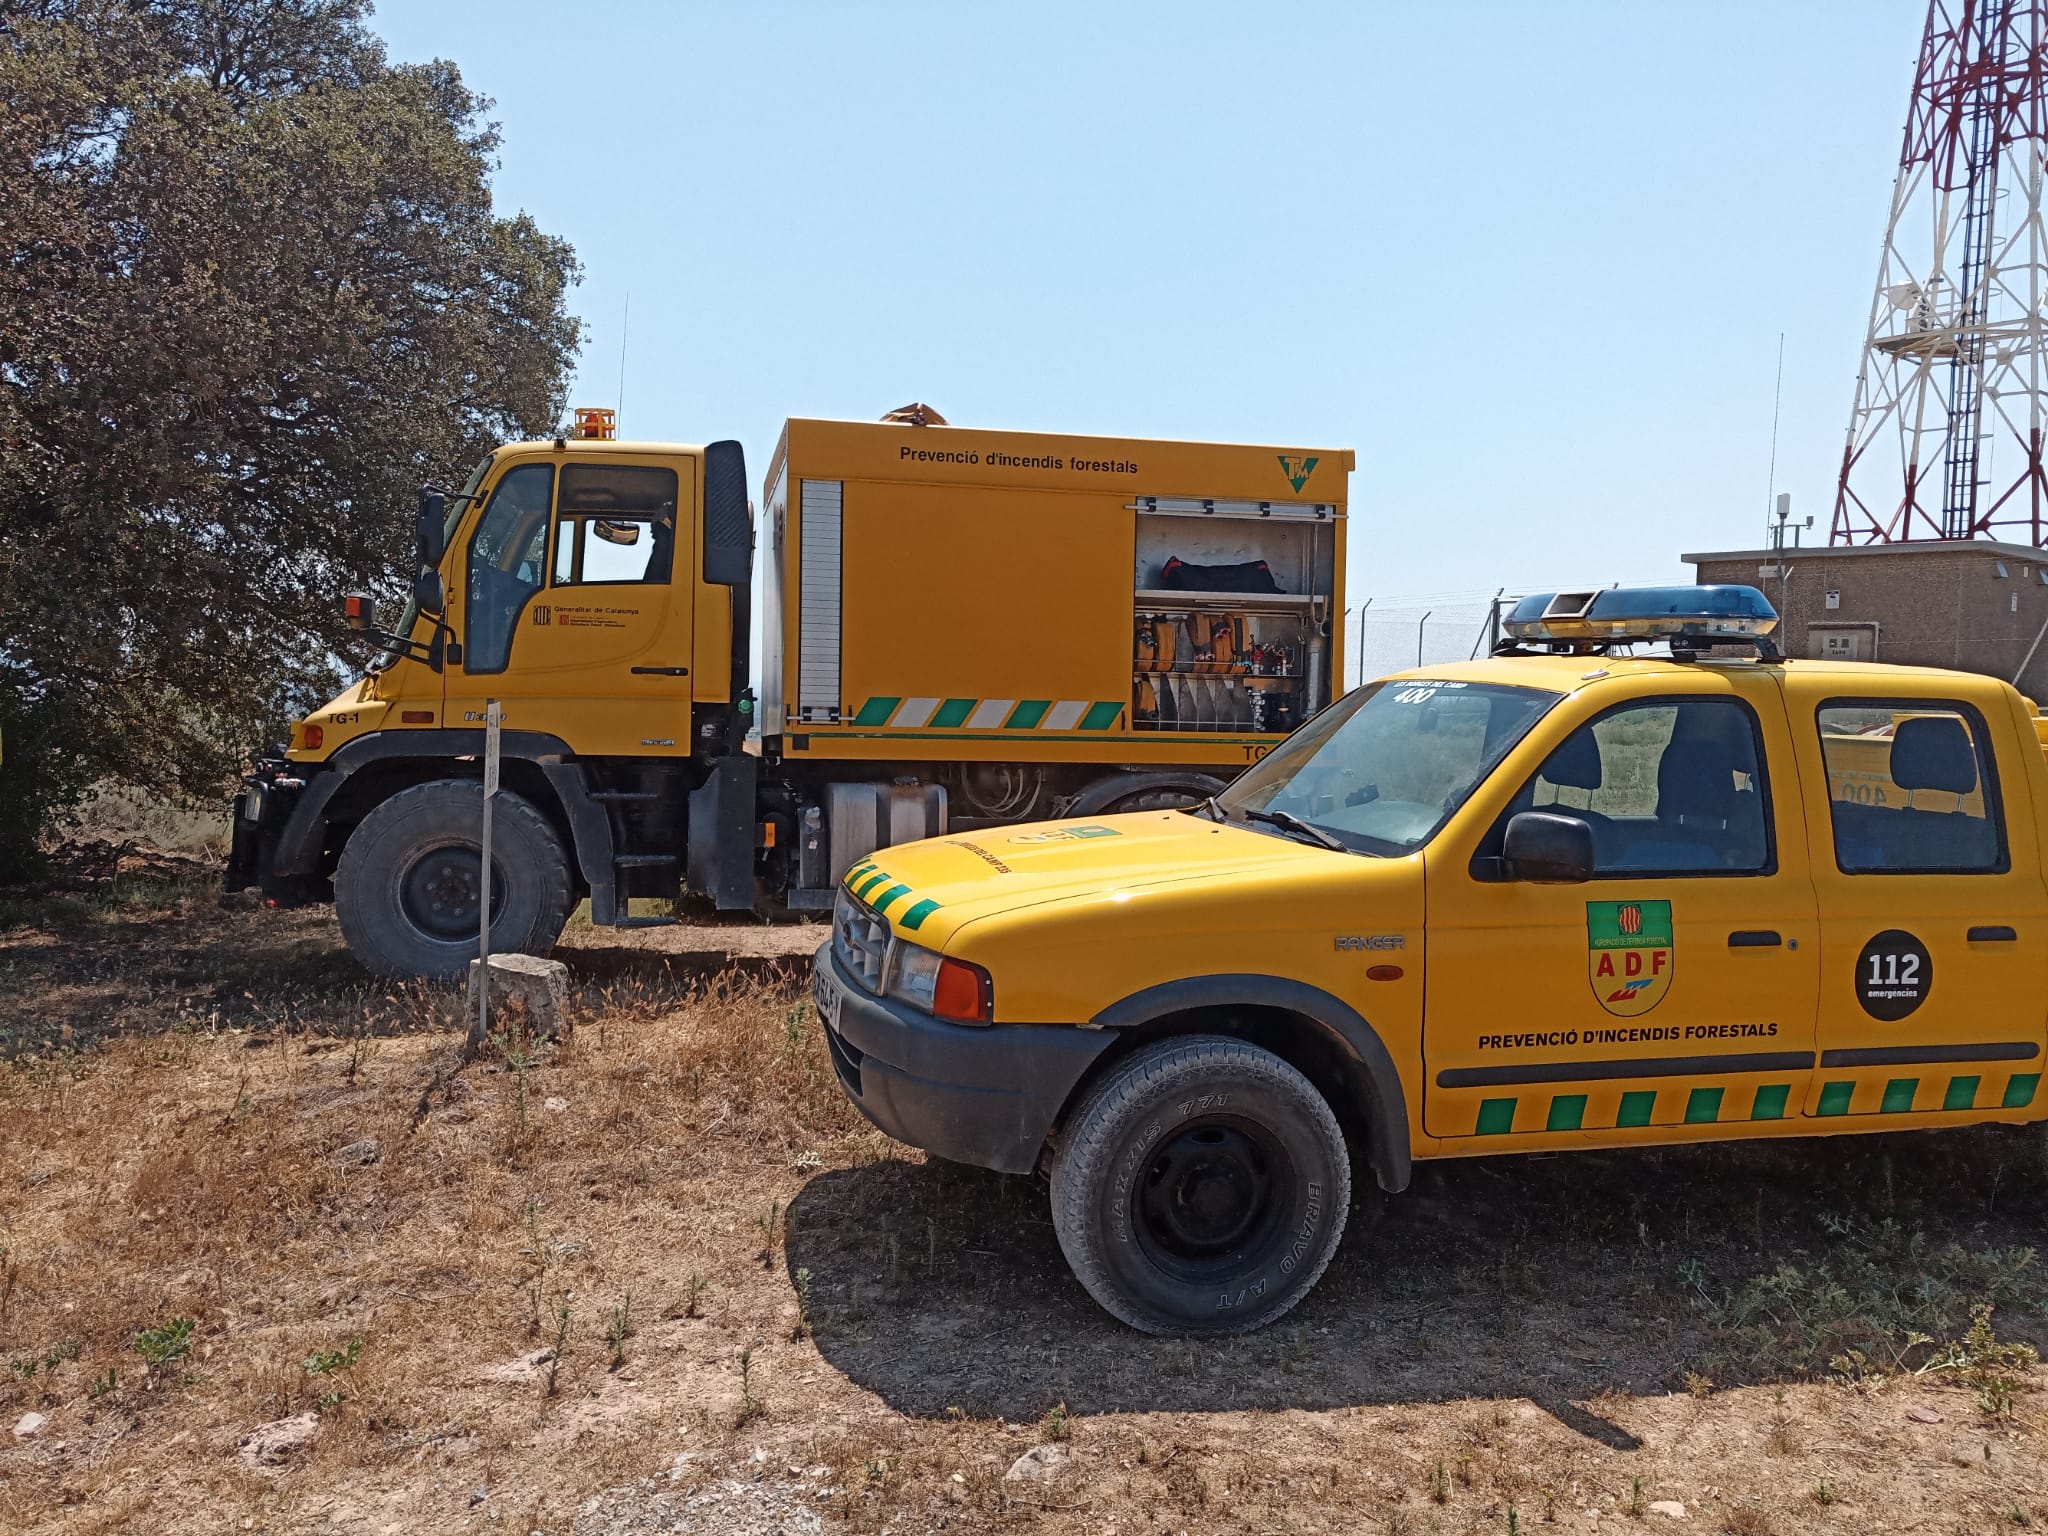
(825, 993)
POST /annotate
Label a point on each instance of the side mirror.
(1548, 848)
(430, 594)
(616, 533)
(432, 518)
(728, 523)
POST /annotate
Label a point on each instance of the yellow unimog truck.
(962, 629)
(1568, 896)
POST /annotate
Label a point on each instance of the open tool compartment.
(1231, 615)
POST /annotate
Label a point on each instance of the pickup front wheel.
(1201, 1188)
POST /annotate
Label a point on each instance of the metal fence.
(1391, 634)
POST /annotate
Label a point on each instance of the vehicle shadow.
(678, 971)
(1550, 1278)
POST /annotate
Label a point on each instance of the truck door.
(1678, 986)
(576, 603)
(1934, 917)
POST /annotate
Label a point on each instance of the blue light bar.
(1644, 613)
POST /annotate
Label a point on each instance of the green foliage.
(252, 294)
(1994, 1366)
(1874, 1303)
(618, 1327)
(324, 1362)
(166, 1343)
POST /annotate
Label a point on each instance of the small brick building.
(1969, 604)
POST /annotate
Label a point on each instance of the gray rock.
(1668, 1507)
(358, 1154)
(268, 1444)
(1041, 1461)
(29, 1424)
(533, 989)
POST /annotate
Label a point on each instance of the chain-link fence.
(1390, 634)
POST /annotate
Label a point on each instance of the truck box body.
(957, 594)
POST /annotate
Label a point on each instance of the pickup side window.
(616, 523)
(1669, 787)
(507, 564)
(1911, 789)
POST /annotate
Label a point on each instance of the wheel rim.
(439, 891)
(1210, 1198)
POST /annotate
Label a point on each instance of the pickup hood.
(930, 889)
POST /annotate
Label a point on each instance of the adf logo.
(1066, 835)
(543, 614)
(1629, 954)
(1296, 469)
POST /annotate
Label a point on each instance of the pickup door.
(1679, 985)
(1934, 917)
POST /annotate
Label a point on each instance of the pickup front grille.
(860, 940)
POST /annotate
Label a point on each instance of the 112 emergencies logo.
(1630, 956)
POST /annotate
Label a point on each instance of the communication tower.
(1945, 441)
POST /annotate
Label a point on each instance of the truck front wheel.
(1201, 1188)
(408, 887)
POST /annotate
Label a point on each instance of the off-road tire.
(530, 871)
(1130, 1142)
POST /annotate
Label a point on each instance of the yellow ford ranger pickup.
(1567, 896)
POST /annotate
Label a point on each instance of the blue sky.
(1531, 261)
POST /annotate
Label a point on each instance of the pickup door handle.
(1997, 934)
(662, 671)
(1754, 938)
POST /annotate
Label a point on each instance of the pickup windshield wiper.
(1211, 808)
(1288, 822)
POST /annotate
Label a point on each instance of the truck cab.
(1568, 896)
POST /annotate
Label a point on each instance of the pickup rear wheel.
(408, 887)
(1201, 1188)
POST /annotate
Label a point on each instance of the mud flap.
(720, 862)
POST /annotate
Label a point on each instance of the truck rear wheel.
(1201, 1188)
(408, 886)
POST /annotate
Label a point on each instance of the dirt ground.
(662, 1278)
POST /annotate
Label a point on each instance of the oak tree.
(253, 293)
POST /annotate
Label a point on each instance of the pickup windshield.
(1382, 770)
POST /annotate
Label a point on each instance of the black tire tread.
(1077, 1174)
(362, 922)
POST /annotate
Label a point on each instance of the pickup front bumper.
(981, 1094)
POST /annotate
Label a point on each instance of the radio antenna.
(1777, 395)
(625, 323)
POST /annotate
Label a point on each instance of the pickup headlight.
(934, 984)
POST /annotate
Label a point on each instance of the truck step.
(646, 922)
(643, 860)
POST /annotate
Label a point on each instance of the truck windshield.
(457, 505)
(1383, 769)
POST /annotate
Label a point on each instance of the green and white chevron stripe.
(916, 714)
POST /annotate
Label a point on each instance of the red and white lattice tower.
(1946, 438)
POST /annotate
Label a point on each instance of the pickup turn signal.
(963, 993)
(356, 609)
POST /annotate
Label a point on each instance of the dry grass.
(673, 1238)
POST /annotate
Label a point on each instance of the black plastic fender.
(304, 836)
(1387, 1108)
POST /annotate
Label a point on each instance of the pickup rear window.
(1911, 788)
